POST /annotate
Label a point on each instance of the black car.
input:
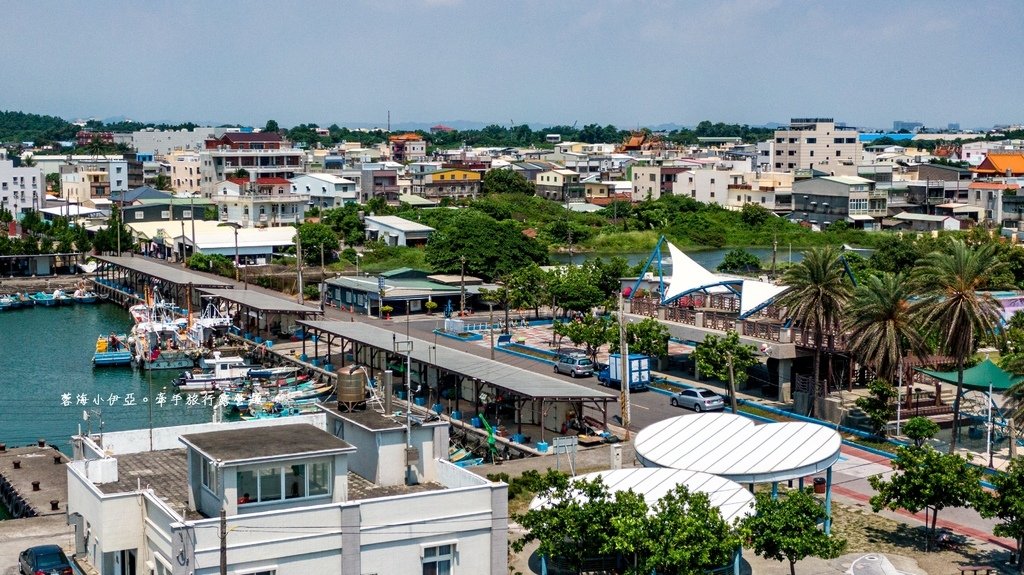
(44, 560)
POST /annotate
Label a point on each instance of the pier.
(125, 279)
(33, 480)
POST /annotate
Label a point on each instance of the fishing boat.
(209, 326)
(283, 408)
(25, 299)
(215, 374)
(42, 298)
(62, 298)
(7, 302)
(84, 296)
(238, 401)
(111, 350)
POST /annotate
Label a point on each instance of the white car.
(698, 400)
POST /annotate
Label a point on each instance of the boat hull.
(112, 359)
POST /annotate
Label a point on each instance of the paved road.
(20, 534)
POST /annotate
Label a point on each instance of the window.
(186, 214)
(438, 560)
(270, 484)
(812, 140)
(209, 474)
(165, 214)
(652, 177)
(139, 215)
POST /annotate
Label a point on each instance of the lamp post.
(406, 348)
(359, 256)
(235, 226)
(462, 300)
(192, 212)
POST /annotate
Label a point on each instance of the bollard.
(57, 460)
(17, 464)
(3, 447)
(54, 505)
(35, 486)
(41, 442)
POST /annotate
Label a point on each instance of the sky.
(627, 63)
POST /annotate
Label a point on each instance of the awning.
(861, 218)
(978, 377)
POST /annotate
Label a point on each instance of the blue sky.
(626, 63)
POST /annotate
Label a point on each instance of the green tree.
(755, 215)
(271, 126)
(240, 174)
(881, 326)
(491, 248)
(526, 286)
(818, 292)
(879, 405)
(952, 307)
(317, 239)
(646, 337)
(739, 260)
(1007, 504)
(53, 180)
(589, 330)
(786, 528)
(345, 222)
(929, 480)
(725, 359)
(572, 288)
(162, 182)
(507, 181)
(919, 429)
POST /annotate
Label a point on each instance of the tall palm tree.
(881, 326)
(952, 308)
(818, 291)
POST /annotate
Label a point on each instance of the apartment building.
(22, 189)
(185, 171)
(330, 492)
(259, 202)
(409, 147)
(161, 143)
(823, 201)
(261, 154)
(378, 180)
(559, 185)
(814, 143)
(80, 184)
(325, 190)
(123, 170)
(446, 183)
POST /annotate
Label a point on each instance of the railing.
(719, 322)
(644, 306)
(681, 315)
(769, 331)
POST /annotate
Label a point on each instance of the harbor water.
(49, 388)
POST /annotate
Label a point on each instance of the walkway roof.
(261, 301)
(514, 379)
(163, 272)
(733, 447)
(653, 483)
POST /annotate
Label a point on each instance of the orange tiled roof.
(408, 137)
(993, 186)
(1001, 163)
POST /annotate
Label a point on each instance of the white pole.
(988, 434)
(624, 368)
(899, 399)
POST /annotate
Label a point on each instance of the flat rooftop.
(240, 445)
(163, 272)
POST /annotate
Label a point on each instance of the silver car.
(574, 365)
(698, 400)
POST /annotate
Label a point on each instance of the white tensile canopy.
(733, 447)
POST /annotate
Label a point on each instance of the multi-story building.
(408, 148)
(259, 202)
(122, 170)
(823, 201)
(377, 180)
(22, 189)
(446, 183)
(85, 137)
(260, 154)
(331, 492)
(325, 190)
(160, 143)
(185, 171)
(560, 185)
(80, 184)
(814, 143)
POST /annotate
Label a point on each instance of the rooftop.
(261, 301)
(398, 223)
(241, 445)
(166, 472)
(162, 272)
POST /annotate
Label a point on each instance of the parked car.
(698, 400)
(44, 560)
(574, 365)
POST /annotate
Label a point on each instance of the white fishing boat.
(159, 342)
(209, 326)
(215, 374)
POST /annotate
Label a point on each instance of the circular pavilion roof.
(731, 499)
(733, 447)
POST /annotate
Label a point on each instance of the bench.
(976, 569)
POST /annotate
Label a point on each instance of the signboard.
(568, 444)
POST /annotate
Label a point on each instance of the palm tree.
(881, 326)
(952, 309)
(818, 291)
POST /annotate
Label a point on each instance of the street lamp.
(359, 256)
(406, 348)
(235, 226)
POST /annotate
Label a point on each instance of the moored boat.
(111, 350)
(41, 298)
(84, 296)
(218, 373)
(62, 298)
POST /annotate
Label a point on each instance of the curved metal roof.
(733, 447)
(731, 499)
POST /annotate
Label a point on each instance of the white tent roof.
(687, 275)
(733, 447)
(755, 294)
(653, 483)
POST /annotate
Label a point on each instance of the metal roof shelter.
(525, 385)
(263, 305)
(125, 280)
(733, 447)
(653, 483)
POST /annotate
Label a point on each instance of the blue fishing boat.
(7, 302)
(111, 350)
(41, 298)
(62, 298)
(83, 296)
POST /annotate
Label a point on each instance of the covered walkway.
(125, 280)
(265, 315)
(438, 374)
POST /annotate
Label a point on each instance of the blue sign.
(380, 283)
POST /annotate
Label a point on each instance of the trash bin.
(542, 446)
(420, 401)
(438, 408)
(475, 422)
(819, 485)
(456, 414)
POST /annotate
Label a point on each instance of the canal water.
(47, 381)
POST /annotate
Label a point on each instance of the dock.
(33, 480)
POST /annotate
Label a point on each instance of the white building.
(259, 202)
(396, 231)
(325, 493)
(325, 190)
(115, 165)
(185, 172)
(814, 143)
(21, 189)
(160, 143)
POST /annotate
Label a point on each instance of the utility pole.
(624, 407)
(490, 326)
(462, 301)
(298, 262)
(192, 211)
(223, 541)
